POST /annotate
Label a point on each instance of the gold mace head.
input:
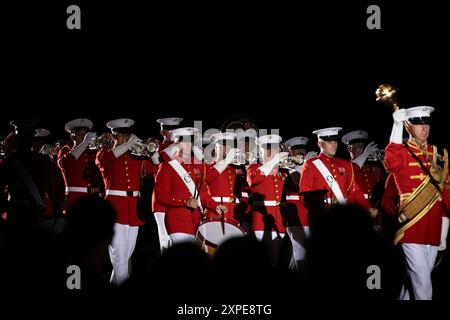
(387, 94)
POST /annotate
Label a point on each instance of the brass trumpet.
(104, 140)
(291, 162)
(142, 149)
(377, 155)
(242, 159)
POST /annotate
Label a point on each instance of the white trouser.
(164, 238)
(179, 237)
(299, 236)
(259, 235)
(120, 251)
(420, 259)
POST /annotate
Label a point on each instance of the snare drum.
(211, 235)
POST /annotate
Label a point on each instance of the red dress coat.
(172, 193)
(408, 175)
(82, 173)
(389, 200)
(368, 177)
(343, 172)
(123, 174)
(267, 188)
(158, 207)
(226, 187)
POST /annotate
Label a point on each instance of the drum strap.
(332, 183)
(187, 180)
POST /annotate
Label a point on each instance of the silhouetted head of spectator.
(183, 270)
(245, 261)
(89, 228)
(343, 247)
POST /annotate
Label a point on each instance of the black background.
(294, 67)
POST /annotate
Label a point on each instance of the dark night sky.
(308, 66)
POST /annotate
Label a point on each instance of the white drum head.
(212, 232)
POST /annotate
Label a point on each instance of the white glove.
(361, 159)
(222, 164)
(124, 147)
(198, 153)
(155, 158)
(89, 137)
(397, 129)
(267, 167)
(79, 149)
(133, 139)
(164, 238)
(231, 155)
(310, 155)
(444, 232)
(400, 115)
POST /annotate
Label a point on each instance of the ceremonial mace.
(387, 95)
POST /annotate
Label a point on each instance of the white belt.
(82, 189)
(244, 194)
(225, 199)
(293, 197)
(268, 203)
(330, 200)
(122, 193)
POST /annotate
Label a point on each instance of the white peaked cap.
(249, 133)
(269, 139)
(186, 131)
(327, 132)
(170, 121)
(41, 133)
(419, 112)
(297, 141)
(120, 123)
(76, 123)
(355, 135)
(223, 136)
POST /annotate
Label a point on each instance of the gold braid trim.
(413, 209)
(401, 232)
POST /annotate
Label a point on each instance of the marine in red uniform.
(372, 175)
(165, 153)
(122, 173)
(327, 172)
(179, 187)
(271, 217)
(223, 184)
(420, 235)
(266, 184)
(297, 147)
(299, 222)
(77, 163)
